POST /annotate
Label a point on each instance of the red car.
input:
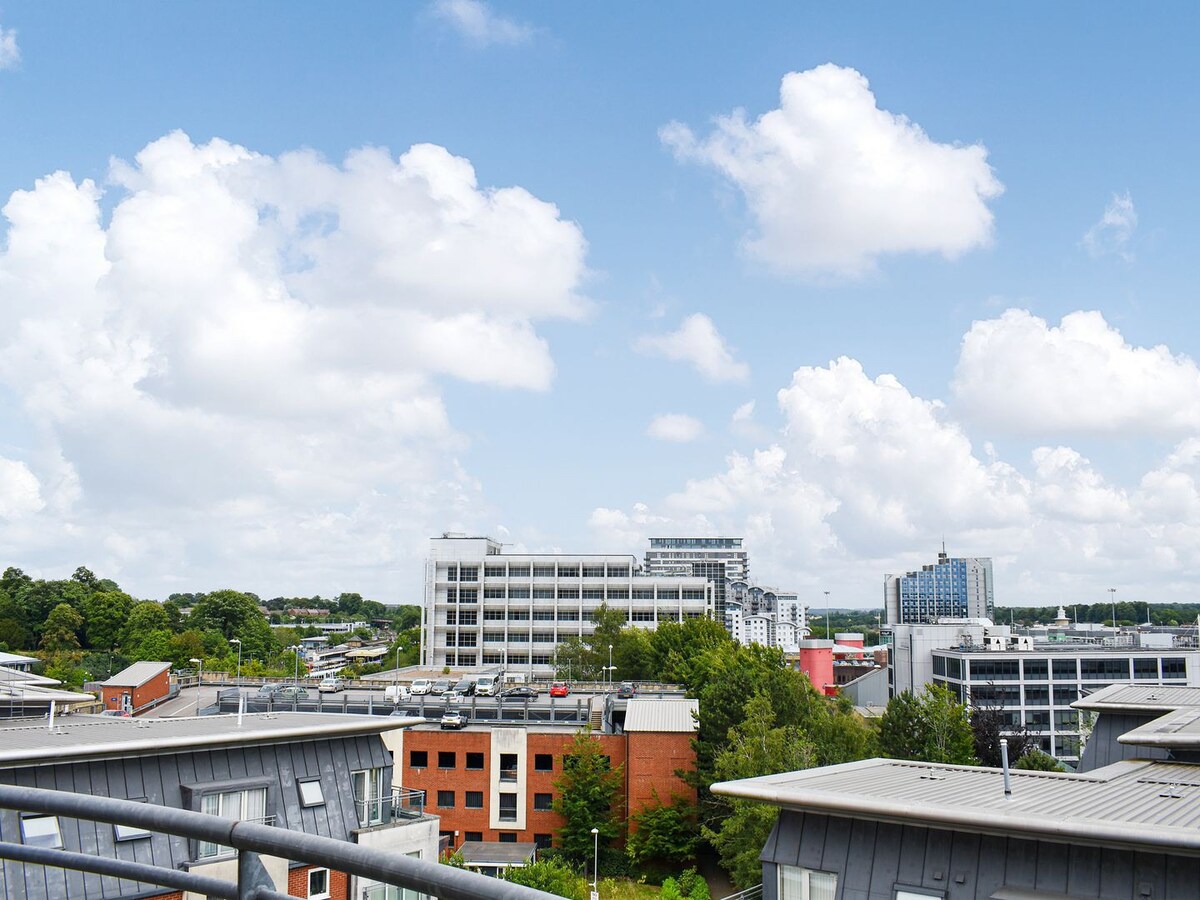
(559, 689)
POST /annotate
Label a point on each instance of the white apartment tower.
(719, 559)
(485, 608)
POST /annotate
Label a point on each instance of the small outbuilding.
(137, 687)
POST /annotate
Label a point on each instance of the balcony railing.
(508, 775)
(250, 839)
(384, 809)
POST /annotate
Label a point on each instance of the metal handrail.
(445, 882)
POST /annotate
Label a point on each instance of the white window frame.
(305, 787)
(319, 895)
(800, 883)
(41, 831)
(239, 804)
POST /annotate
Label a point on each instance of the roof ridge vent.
(1172, 792)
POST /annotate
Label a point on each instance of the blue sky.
(953, 274)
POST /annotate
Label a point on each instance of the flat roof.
(1179, 730)
(136, 675)
(497, 853)
(12, 659)
(89, 737)
(1130, 804)
(662, 715)
(1146, 698)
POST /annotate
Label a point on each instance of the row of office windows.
(472, 761)
(471, 595)
(1108, 668)
(512, 658)
(508, 802)
(523, 570)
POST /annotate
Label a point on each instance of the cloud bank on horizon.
(234, 362)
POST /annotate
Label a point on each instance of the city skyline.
(284, 297)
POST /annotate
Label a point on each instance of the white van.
(489, 685)
(397, 693)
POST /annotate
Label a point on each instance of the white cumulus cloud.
(1021, 374)
(238, 366)
(697, 342)
(833, 182)
(1111, 235)
(10, 53)
(675, 427)
(476, 22)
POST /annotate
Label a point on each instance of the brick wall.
(297, 886)
(650, 762)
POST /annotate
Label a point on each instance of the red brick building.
(496, 783)
(137, 687)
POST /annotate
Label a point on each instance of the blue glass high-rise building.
(957, 588)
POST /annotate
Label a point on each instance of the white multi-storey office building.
(487, 608)
(719, 559)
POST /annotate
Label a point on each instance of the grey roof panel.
(137, 674)
(87, 737)
(497, 853)
(1140, 698)
(662, 715)
(1178, 730)
(1125, 804)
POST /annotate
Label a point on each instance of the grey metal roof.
(1140, 698)
(137, 674)
(90, 737)
(1134, 803)
(12, 659)
(1177, 730)
(662, 715)
(497, 853)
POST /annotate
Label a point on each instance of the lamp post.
(199, 678)
(610, 667)
(239, 667)
(1112, 596)
(596, 862)
(296, 676)
(396, 680)
(827, 615)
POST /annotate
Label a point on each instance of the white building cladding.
(719, 559)
(763, 616)
(487, 608)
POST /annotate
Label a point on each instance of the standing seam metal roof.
(662, 715)
(1131, 803)
(137, 674)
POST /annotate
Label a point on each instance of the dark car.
(465, 686)
(627, 690)
(521, 692)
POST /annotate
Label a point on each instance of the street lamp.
(596, 864)
(239, 668)
(827, 615)
(199, 678)
(1112, 596)
(610, 667)
(396, 680)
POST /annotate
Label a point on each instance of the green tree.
(550, 875)
(61, 631)
(670, 890)
(1037, 761)
(234, 614)
(932, 726)
(663, 833)
(588, 797)
(104, 615)
(757, 746)
(989, 725)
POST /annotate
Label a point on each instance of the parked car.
(397, 693)
(117, 713)
(331, 684)
(441, 686)
(267, 691)
(421, 686)
(627, 690)
(560, 689)
(452, 718)
(449, 697)
(465, 686)
(291, 692)
(521, 692)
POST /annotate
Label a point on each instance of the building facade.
(485, 608)
(952, 587)
(889, 830)
(323, 775)
(498, 783)
(719, 559)
(758, 615)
